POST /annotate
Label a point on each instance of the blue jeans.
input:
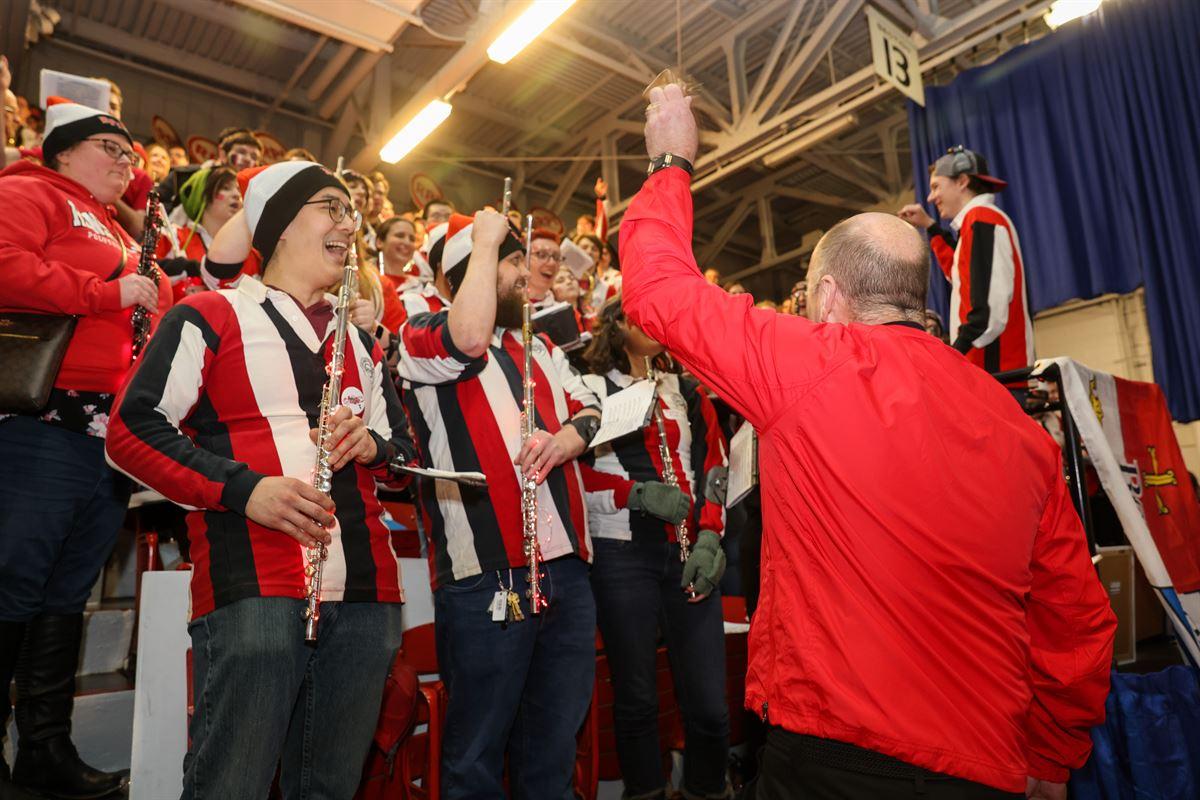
(637, 595)
(264, 697)
(61, 507)
(526, 686)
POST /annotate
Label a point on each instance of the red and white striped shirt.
(695, 440)
(989, 305)
(225, 395)
(466, 413)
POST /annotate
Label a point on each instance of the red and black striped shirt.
(698, 455)
(225, 395)
(466, 416)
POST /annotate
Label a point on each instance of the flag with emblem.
(1127, 431)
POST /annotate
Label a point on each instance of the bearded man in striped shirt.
(521, 686)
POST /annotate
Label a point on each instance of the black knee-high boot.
(47, 761)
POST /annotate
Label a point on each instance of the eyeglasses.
(114, 150)
(547, 255)
(338, 210)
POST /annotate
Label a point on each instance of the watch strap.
(669, 160)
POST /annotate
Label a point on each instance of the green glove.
(655, 499)
(705, 565)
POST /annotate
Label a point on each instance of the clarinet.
(529, 504)
(150, 232)
(669, 476)
(322, 479)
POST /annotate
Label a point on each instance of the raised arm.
(473, 315)
(758, 360)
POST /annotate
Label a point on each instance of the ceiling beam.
(727, 229)
(104, 37)
(330, 71)
(822, 199)
(570, 45)
(797, 71)
(206, 87)
(297, 74)
(482, 108)
(273, 31)
(785, 32)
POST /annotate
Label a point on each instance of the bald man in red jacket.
(930, 624)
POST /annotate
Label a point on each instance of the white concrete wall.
(1109, 334)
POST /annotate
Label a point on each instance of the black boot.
(47, 761)
(11, 634)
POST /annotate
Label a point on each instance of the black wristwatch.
(669, 160)
(586, 427)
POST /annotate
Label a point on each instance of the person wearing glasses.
(218, 417)
(63, 253)
(980, 254)
(544, 260)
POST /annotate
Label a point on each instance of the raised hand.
(670, 123)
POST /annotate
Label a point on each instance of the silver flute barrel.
(529, 504)
(664, 452)
(322, 479)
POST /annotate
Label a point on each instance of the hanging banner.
(1127, 431)
(273, 149)
(165, 133)
(546, 219)
(200, 149)
(423, 189)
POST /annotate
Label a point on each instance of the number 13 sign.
(895, 56)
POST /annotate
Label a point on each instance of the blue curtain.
(1149, 745)
(1097, 129)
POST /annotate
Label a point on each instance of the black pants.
(797, 767)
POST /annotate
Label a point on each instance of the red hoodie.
(61, 252)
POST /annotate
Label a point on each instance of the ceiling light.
(527, 27)
(423, 124)
(1063, 11)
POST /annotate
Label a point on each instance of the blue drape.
(1149, 745)
(1097, 129)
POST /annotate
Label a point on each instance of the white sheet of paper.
(624, 412)
(743, 465)
(575, 259)
(89, 92)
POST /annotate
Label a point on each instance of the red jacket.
(61, 252)
(926, 592)
(989, 307)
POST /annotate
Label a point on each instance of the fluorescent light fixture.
(1063, 11)
(527, 27)
(423, 124)
(801, 141)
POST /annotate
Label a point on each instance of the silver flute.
(664, 452)
(529, 504)
(322, 479)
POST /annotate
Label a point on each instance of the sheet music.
(743, 464)
(575, 259)
(624, 412)
(89, 92)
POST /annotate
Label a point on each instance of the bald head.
(869, 268)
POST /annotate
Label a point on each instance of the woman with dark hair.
(63, 253)
(642, 583)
